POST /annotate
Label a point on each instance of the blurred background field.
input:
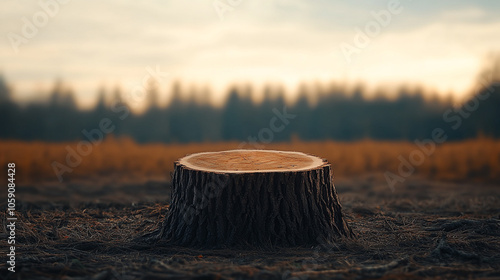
(356, 133)
(166, 79)
(469, 160)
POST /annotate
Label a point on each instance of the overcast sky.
(439, 44)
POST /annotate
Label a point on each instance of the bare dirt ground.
(86, 230)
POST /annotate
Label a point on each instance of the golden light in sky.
(440, 46)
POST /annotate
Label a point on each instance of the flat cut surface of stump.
(250, 161)
(258, 198)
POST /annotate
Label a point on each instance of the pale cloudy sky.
(439, 44)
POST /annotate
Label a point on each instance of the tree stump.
(252, 198)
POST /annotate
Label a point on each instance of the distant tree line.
(333, 114)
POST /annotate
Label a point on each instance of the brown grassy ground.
(473, 159)
(442, 223)
(85, 230)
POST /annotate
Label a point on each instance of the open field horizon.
(468, 160)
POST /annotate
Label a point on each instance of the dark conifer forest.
(336, 114)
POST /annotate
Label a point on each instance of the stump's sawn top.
(251, 161)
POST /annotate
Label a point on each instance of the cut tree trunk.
(252, 198)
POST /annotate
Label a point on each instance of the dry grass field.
(477, 159)
(443, 222)
(424, 229)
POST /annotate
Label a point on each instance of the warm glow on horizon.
(440, 47)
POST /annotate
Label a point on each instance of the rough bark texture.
(212, 209)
